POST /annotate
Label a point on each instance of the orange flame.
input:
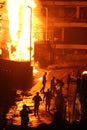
(19, 13)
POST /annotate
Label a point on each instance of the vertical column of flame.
(19, 28)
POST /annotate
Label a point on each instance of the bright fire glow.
(0, 51)
(19, 13)
(84, 72)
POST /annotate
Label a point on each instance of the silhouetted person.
(78, 81)
(68, 80)
(37, 98)
(24, 114)
(43, 82)
(78, 73)
(47, 97)
(59, 123)
(77, 108)
(83, 95)
(53, 85)
(57, 81)
(61, 85)
(60, 103)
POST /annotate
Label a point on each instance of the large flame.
(20, 26)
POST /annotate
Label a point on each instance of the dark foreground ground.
(55, 125)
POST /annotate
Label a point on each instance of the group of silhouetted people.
(59, 116)
(47, 96)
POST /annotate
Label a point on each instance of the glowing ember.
(19, 13)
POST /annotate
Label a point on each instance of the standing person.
(37, 98)
(53, 85)
(24, 116)
(60, 103)
(43, 82)
(61, 85)
(78, 110)
(68, 80)
(83, 95)
(78, 81)
(47, 97)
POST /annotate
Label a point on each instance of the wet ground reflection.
(13, 114)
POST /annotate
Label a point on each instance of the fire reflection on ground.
(25, 97)
(13, 114)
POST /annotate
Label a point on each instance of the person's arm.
(29, 110)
